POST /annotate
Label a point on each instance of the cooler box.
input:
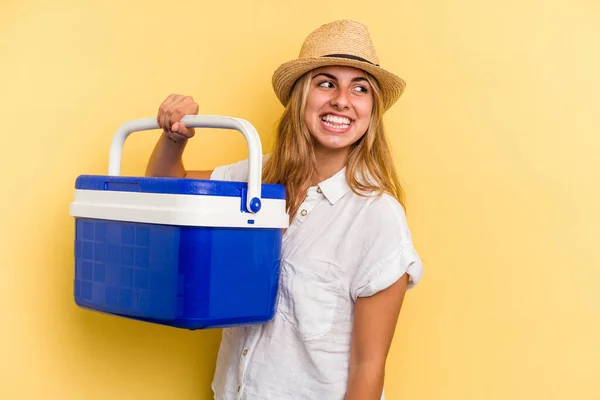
(185, 253)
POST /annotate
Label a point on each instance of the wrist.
(175, 138)
(365, 382)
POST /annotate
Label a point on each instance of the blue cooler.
(185, 253)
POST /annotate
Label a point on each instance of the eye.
(326, 84)
(361, 89)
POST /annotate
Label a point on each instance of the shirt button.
(319, 190)
(245, 352)
(304, 212)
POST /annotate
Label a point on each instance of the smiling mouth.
(335, 122)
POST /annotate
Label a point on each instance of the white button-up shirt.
(339, 247)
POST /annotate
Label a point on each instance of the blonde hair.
(370, 167)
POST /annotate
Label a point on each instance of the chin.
(332, 146)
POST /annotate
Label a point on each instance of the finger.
(167, 120)
(194, 106)
(162, 110)
(190, 106)
(172, 107)
(176, 116)
(178, 107)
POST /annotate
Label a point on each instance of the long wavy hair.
(369, 169)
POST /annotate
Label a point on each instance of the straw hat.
(345, 43)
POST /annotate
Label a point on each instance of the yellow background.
(496, 140)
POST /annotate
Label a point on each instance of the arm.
(375, 320)
(166, 158)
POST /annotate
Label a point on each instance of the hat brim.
(287, 74)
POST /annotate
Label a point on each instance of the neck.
(329, 163)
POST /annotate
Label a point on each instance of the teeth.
(336, 126)
(336, 120)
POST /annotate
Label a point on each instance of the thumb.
(181, 129)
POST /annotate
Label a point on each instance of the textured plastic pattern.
(185, 277)
(174, 186)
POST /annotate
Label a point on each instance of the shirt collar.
(335, 187)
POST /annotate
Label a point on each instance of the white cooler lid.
(176, 201)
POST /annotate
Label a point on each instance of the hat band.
(351, 57)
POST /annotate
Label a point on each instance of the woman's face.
(338, 107)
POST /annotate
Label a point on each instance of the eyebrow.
(356, 79)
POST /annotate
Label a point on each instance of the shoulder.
(384, 215)
(387, 205)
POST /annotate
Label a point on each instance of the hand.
(171, 111)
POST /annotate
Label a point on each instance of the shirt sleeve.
(389, 254)
(237, 172)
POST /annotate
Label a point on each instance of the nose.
(340, 99)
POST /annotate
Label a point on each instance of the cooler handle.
(253, 202)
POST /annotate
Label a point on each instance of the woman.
(347, 257)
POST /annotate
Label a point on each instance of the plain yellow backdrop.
(496, 140)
